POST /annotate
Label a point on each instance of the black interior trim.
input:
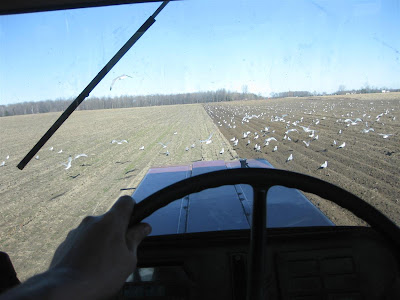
(29, 6)
(302, 263)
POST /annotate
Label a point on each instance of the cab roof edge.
(29, 6)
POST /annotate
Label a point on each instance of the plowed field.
(39, 205)
(368, 163)
(42, 203)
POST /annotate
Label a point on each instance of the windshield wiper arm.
(85, 93)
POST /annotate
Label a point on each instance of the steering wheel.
(261, 179)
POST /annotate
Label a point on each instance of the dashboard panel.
(301, 263)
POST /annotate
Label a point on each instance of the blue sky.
(270, 46)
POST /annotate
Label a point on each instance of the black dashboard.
(301, 263)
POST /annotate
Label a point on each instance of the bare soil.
(368, 165)
(42, 203)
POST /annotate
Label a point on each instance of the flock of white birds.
(292, 126)
(69, 163)
(266, 127)
(164, 145)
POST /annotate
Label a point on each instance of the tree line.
(292, 94)
(341, 91)
(364, 90)
(93, 103)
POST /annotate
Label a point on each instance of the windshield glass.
(310, 86)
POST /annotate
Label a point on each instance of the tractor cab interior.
(251, 262)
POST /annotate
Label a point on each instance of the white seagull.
(385, 136)
(208, 140)
(60, 151)
(51, 148)
(368, 130)
(163, 145)
(275, 149)
(290, 158)
(80, 155)
(324, 165)
(124, 76)
(68, 164)
(119, 142)
(3, 163)
(349, 121)
(222, 151)
(342, 145)
(291, 130)
(306, 143)
(306, 129)
(269, 139)
(141, 148)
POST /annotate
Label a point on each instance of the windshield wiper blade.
(85, 93)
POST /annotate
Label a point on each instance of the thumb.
(136, 234)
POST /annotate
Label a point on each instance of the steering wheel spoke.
(258, 239)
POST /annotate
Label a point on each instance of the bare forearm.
(93, 261)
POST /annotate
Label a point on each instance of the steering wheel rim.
(261, 179)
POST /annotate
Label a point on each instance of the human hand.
(100, 253)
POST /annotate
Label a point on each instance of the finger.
(136, 234)
(122, 210)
